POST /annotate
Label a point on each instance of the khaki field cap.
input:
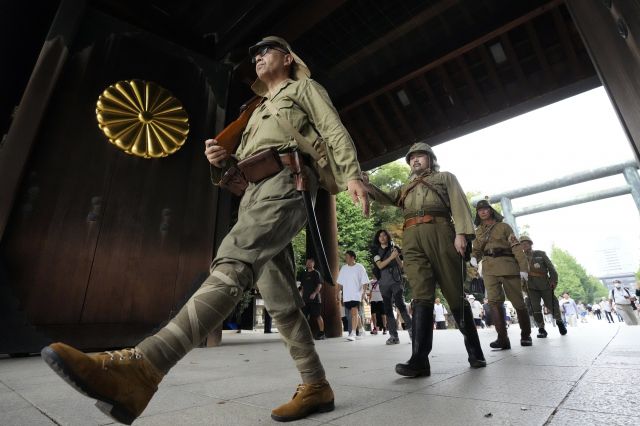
(421, 147)
(526, 238)
(300, 69)
(484, 204)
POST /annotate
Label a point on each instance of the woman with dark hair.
(388, 270)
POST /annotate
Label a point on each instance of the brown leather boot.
(122, 381)
(525, 327)
(308, 399)
(497, 314)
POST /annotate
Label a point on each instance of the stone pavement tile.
(10, 401)
(418, 409)
(603, 397)
(573, 417)
(480, 384)
(4, 388)
(25, 416)
(387, 379)
(516, 368)
(348, 399)
(621, 376)
(216, 413)
(243, 385)
(619, 358)
(65, 405)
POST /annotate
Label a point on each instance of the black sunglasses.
(263, 51)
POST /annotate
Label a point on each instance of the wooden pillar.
(611, 32)
(328, 224)
(19, 141)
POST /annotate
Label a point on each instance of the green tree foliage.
(573, 278)
(354, 230)
(389, 177)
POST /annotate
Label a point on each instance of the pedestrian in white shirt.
(476, 310)
(352, 279)
(439, 312)
(622, 299)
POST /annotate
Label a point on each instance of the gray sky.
(576, 134)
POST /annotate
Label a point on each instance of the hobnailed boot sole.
(322, 408)
(106, 405)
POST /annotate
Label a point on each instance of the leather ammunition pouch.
(263, 165)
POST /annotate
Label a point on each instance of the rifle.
(229, 137)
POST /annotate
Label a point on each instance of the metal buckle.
(420, 213)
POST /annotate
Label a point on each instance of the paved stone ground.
(588, 377)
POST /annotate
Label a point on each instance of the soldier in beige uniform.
(436, 229)
(257, 250)
(504, 266)
(543, 279)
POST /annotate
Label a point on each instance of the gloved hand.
(474, 262)
(524, 276)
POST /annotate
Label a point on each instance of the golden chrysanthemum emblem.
(142, 118)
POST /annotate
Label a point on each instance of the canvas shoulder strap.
(417, 182)
(302, 142)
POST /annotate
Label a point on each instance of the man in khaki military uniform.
(504, 266)
(543, 279)
(436, 229)
(257, 250)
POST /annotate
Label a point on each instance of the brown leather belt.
(537, 274)
(424, 218)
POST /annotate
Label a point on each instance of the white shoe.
(361, 335)
(351, 337)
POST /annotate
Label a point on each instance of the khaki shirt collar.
(280, 88)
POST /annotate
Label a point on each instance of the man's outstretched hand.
(358, 192)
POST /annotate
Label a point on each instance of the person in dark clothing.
(388, 261)
(311, 282)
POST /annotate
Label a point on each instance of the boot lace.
(121, 355)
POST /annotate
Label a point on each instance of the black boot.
(542, 333)
(421, 340)
(471, 339)
(497, 314)
(525, 327)
(561, 327)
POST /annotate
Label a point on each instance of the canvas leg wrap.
(295, 332)
(205, 310)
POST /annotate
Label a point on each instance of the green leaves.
(574, 279)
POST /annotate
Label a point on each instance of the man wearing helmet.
(503, 268)
(543, 279)
(436, 229)
(257, 250)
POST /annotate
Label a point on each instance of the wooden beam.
(471, 81)
(542, 58)
(388, 38)
(454, 98)
(371, 134)
(428, 124)
(382, 120)
(467, 47)
(400, 116)
(493, 73)
(303, 17)
(512, 57)
(567, 46)
(433, 100)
